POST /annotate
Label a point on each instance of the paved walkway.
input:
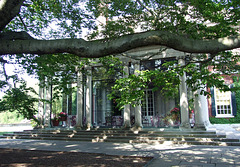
(231, 130)
(164, 154)
(15, 128)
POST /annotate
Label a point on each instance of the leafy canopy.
(20, 100)
(109, 19)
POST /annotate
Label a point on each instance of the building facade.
(94, 109)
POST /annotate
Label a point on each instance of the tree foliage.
(179, 17)
(50, 39)
(131, 90)
(21, 100)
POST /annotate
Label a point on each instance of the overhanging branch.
(100, 48)
(8, 10)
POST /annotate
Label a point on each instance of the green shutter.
(213, 101)
(234, 104)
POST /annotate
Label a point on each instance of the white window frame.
(147, 112)
(223, 107)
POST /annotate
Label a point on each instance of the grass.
(1, 133)
(10, 117)
(224, 120)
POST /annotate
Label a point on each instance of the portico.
(95, 109)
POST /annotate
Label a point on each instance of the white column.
(183, 97)
(126, 113)
(41, 106)
(138, 112)
(138, 118)
(79, 116)
(104, 106)
(69, 100)
(89, 98)
(201, 111)
(47, 110)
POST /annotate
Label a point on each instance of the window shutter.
(234, 104)
(213, 101)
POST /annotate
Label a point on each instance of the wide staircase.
(166, 136)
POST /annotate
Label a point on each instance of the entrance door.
(148, 107)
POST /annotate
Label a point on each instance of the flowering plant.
(63, 114)
(175, 111)
(167, 120)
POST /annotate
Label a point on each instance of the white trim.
(146, 105)
(223, 115)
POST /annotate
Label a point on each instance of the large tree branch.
(100, 48)
(8, 10)
(11, 35)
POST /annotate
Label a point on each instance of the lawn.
(1, 133)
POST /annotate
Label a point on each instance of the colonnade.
(200, 103)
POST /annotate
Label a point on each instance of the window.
(223, 103)
(147, 103)
(155, 64)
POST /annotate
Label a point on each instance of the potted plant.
(63, 116)
(192, 118)
(55, 121)
(175, 112)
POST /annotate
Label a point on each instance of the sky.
(31, 81)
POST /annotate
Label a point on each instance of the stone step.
(213, 143)
(127, 136)
(112, 135)
(120, 131)
(130, 136)
(126, 133)
(135, 137)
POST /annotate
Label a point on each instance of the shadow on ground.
(21, 157)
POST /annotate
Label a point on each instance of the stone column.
(126, 113)
(64, 102)
(69, 100)
(104, 106)
(41, 106)
(201, 111)
(89, 98)
(47, 109)
(138, 112)
(183, 97)
(79, 116)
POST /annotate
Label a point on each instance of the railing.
(160, 121)
(147, 121)
(71, 120)
(117, 121)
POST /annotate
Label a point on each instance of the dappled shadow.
(16, 157)
(166, 154)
